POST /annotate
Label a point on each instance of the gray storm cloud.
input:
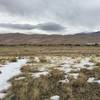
(17, 26)
(52, 27)
(84, 13)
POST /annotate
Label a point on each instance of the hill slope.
(36, 39)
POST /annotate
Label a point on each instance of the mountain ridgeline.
(42, 39)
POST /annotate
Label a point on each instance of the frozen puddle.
(7, 72)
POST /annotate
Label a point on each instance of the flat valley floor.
(48, 50)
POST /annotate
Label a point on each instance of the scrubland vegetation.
(48, 50)
(68, 77)
(53, 73)
(6, 59)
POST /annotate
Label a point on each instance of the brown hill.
(36, 39)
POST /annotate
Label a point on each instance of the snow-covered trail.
(7, 72)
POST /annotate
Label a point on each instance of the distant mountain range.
(38, 39)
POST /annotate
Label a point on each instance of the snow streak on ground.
(93, 80)
(7, 72)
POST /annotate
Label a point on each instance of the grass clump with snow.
(69, 79)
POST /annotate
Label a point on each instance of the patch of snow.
(8, 71)
(56, 97)
(93, 80)
(65, 65)
(97, 81)
(90, 80)
(66, 69)
(2, 95)
(19, 78)
(64, 81)
(75, 75)
(36, 59)
(85, 63)
(38, 74)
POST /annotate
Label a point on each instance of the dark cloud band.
(53, 27)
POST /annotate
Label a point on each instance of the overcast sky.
(49, 16)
